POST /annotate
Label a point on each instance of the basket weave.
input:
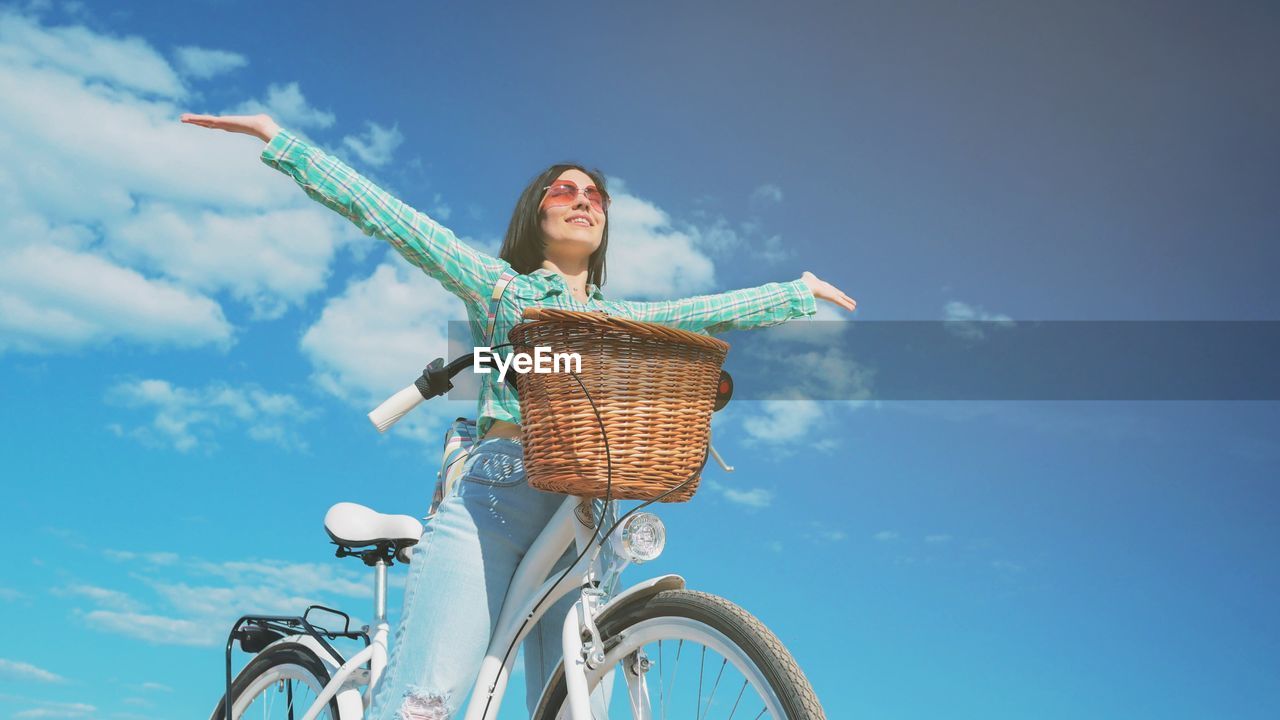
(654, 387)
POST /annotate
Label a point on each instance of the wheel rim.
(695, 672)
(281, 691)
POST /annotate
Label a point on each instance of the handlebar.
(437, 379)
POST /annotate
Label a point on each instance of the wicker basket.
(654, 387)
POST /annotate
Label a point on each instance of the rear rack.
(255, 632)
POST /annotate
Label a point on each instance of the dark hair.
(524, 246)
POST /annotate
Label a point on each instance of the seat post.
(380, 591)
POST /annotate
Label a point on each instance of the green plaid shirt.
(471, 274)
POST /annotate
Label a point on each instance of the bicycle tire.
(284, 662)
(742, 630)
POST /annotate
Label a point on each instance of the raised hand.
(259, 126)
(826, 291)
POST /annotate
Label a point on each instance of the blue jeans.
(458, 578)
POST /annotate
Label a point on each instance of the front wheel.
(690, 654)
(282, 681)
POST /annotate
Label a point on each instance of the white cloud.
(129, 63)
(49, 709)
(287, 106)
(269, 260)
(155, 687)
(105, 597)
(185, 418)
(885, 536)
(155, 628)
(53, 298)
(27, 672)
(767, 194)
(820, 532)
(58, 710)
(376, 337)
(305, 578)
(204, 63)
(196, 609)
(97, 174)
(376, 145)
(648, 257)
(784, 420)
(155, 558)
(967, 321)
(937, 539)
(755, 498)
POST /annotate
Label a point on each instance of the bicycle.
(296, 668)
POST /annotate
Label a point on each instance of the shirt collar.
(557, 284)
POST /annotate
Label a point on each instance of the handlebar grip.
(395, 407)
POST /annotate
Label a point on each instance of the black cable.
(608, 494)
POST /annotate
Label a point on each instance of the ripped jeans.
(458, 578)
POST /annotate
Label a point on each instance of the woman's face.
(575, 230)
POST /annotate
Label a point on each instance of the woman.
(556, 241)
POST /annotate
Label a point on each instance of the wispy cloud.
(102, 596)
(156, 629)
(782, 421)
(18, 670)
(195, 601)
(885, 536)
(767, 193)
(754, 498)
(155, 558)
(204, 63)
(286, 104)
(1007, 566)
(58, 710)
(937, 539)
(129, 63)
(376, 145)
(823, 533)
(187, 418)
(971, 321)
(155, 687)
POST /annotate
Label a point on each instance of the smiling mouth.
(579, 221)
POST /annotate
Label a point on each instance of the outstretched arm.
(762, 306)
(463, 270)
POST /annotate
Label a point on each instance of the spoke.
(662, 702)
(716, 684)
(735, 702)
(701, 664)
(760, 714)
(675, 667)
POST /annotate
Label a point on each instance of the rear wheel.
(282, 681)
(686, 654)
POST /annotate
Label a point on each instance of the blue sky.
(189, 344)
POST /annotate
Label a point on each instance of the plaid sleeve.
(463, 270)
(762, 306)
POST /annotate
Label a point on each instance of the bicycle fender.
(639, 593)
(350, 704)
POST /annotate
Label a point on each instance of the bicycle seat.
(353, 526)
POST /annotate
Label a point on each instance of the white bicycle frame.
(520, 613)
